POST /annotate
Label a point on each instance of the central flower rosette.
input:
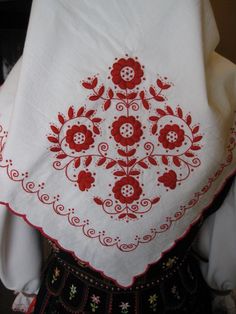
(127, 130)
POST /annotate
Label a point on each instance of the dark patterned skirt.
(173, 285)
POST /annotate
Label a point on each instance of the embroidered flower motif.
(127, 73)
(73, 291)
(153, 302)
(85, 180)
(127, 190)
(56, 274)
(171, 136)
(152, 299)
(130, 150)
(175, 292)
(170, 262)
(169, 179)
(127, 130)
(124, 307)
(95, 301)
(79, 138)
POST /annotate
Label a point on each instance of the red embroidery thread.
(74, 138)
(3, 137)
(168, 178)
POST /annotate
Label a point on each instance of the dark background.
(14, 15)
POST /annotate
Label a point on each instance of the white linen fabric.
(216, 242)
(114, 141)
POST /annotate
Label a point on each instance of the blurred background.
(14, 16)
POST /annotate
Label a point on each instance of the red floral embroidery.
(171, 136)
(3, 136)
(169, 179)
(127, 163)
(127, 73)
(127, 130)
(127, 190)
(85, 180)
(166, 126)
(79, 138)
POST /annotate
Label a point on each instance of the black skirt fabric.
(173, 285)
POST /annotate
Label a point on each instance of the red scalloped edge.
(186, 232)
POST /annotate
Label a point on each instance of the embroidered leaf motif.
(121, 152)
(180, 112)
(153, 118)
(144, 101)
(176, 161)
(52, 139)
(188, 120)
(110, 164)
(132, 216)
(162, 85)
(126, 154)
(101, 161)
(101, 91)
(142, 94)
(152, 91)
(131, 152)
(119, 173)
(107, 104)
(80, 111)
(154, 129)
(152, 160)
(195, 147)
(161, 112)
(188, 154)
(143, 164)
(145, 104)
(155, 200)
(55, 149)
(55, 129)
(110, 93)
(98, 201)
(96, 120)
(71, 113)
(131, 162)
(94, 97)
(120, 95)
(61, 119)
(169, 110)
(197, 138)
(196, 129)
(159, 98)
(61, 156)
(77, 163)
(164, 160)
(87, 85)
(89, 113)
(94, 82)
(96, 130)
(88, 161)
(122, 216)
(134, 173)
(122, 163)
(131, 95)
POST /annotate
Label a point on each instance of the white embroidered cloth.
(121, 130)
